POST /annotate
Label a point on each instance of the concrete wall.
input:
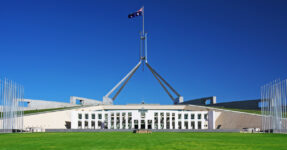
(50, 120)
(42, 104)
(84, 101)
(226, 119)
(236, 120)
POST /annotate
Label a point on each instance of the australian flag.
(137, 13)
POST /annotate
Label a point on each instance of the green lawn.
(242, 110)
(47, 110)
(153, 141)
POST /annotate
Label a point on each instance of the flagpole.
(145, 39)
(143, 20)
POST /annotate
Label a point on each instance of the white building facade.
(141, 117)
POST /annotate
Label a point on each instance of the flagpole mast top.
(143, 38)
(143, 19)
(143, 35)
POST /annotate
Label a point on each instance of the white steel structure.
(273, 106)
(141, 117)
(143, 60)
(11, 98)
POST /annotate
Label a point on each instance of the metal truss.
(143, 60)
(165, 85)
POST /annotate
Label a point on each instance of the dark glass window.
(199, 125)
(199, 116)
(185, 116)
(205, 116)
(192, 116)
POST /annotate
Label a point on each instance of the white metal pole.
(115, 87)
(143, 20)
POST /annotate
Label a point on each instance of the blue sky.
(228, 49)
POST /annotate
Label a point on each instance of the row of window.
(104, 125)
(93, 116)
(192, 116)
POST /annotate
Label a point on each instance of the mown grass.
(246, 110)
(153, 141)
(242, 110)
(63, 108)
(47, 110)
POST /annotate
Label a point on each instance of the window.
(100, 116)
(192, 124)
(199, 125)
(93, 116)
(205, 116)
(192, 116)
(185, 116)
(86, 116)
(93, 124)
(80, 124)
(186, 125)
(142, 114)
(100, 124)
(207, 102)
(136, 124)
(86, 124)
(112, 124)
(155, 114)
(179, 116)
(179, 125)
(80, 116)
(199, 116)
